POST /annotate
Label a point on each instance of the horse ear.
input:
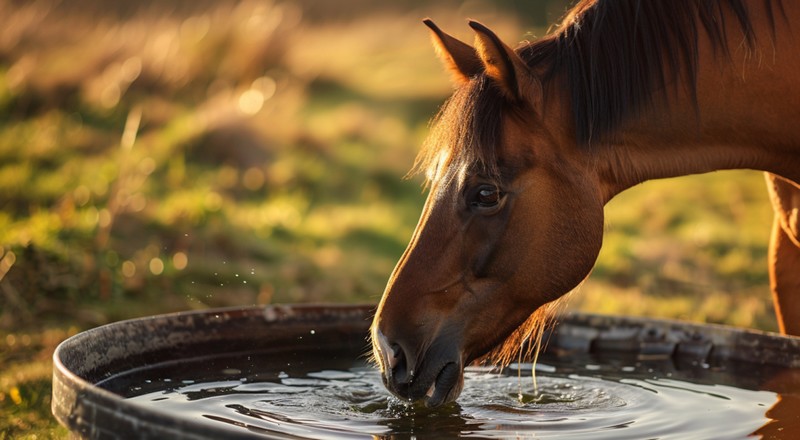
(502, 64)
(460, 58)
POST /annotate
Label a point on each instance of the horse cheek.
(565, 223)
(581, 236)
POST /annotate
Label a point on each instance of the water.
(328, 395)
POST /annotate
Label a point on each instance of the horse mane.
(612, 56)
(615, 54)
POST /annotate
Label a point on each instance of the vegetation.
(165, 156)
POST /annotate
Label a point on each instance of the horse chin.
(447, 387)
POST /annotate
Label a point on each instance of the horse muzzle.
(434, 378)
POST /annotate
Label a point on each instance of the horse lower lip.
(440, 390)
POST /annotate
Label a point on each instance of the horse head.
(513, 221)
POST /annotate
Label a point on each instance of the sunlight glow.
(251, 101)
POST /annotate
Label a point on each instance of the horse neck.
(744, 116)
(642, 158)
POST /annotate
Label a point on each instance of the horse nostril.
(397, 355)
(398, 364)
(394, 361)
(389, 353)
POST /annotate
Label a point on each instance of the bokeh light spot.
(180, 260)
(128, 269)
(251, 101)
(156, 266)
(253, 178)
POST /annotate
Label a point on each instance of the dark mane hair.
(613, 56)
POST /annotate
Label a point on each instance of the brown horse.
(534, 142)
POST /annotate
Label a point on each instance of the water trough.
(299, 371)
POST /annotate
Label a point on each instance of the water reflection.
(784, 415)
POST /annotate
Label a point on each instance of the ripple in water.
(614, 401)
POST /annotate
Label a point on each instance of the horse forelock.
(464, 134)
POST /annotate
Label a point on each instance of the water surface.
(335, 395)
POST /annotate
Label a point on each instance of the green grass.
(693, 248)
(157, 159)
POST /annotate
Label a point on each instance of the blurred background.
(159, 156)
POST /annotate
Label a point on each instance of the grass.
(693, 248)
(157, 157)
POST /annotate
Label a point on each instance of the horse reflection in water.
(535, 141)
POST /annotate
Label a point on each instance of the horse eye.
(486, 196)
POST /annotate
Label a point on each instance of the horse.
(534, 141)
